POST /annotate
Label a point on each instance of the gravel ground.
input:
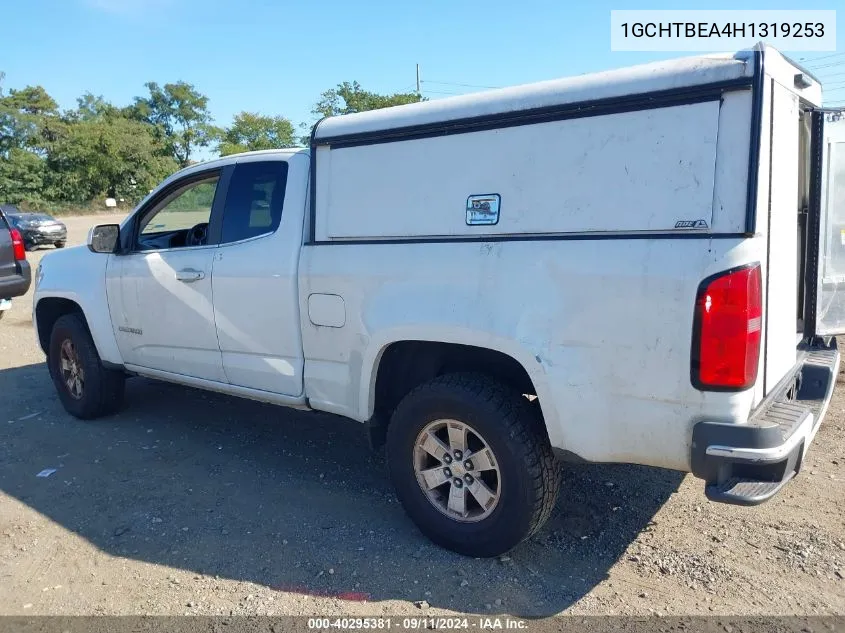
(191, 502)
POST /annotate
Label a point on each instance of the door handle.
(189, 275)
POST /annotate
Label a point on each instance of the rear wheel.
(86, 388)
(59, 244)
(471, 464)
(30, 246)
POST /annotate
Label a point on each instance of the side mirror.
(104, 238)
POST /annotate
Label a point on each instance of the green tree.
(104, 156)
(90, 107)
(31, 100)
(21, 176)
(348, 98)
(180, 115)
(94, 150)
(24, 115)
(251, 131)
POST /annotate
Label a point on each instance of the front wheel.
(471, 464)
(86, 388)
(59, 245)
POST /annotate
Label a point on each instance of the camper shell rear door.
(825, 270)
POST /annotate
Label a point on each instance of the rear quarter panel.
(602, 326)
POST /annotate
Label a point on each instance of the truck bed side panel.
(603, 328)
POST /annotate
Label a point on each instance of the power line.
(833, 75)
(440, 92)
(831, 65)
(815, 59)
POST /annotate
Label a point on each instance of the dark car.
(15, 274)
(37, 228)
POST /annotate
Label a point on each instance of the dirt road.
(189, 502)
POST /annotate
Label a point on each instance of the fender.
(380, 341)
(78, 275)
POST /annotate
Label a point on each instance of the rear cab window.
(254, 200)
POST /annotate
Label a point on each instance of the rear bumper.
(44, 237)
(16, 285)
(747, 464)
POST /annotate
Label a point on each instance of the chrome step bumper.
(748, 464)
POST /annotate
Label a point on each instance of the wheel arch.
(48, 309)
(395, 365)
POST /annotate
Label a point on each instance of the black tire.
(530, 476)
(102, 390)
(29, 246)
(59, 244)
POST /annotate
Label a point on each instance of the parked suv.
(15, 274)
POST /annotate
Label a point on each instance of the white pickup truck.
(642, 265)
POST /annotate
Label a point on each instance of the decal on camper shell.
(691, 224)
(483, 209)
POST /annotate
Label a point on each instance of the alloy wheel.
(457, 471)
(71, 370)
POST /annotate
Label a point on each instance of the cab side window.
(181, 218)
(254, 200)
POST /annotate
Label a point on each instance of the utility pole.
(418, 79)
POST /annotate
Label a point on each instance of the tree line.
(98, 150)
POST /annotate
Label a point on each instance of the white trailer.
(656, 253)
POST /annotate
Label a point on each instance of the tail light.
(17, 245)
(727, 330)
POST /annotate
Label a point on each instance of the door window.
(181, 218)
(254, 200)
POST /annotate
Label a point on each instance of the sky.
(275, 57)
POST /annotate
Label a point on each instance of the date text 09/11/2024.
(418, 623)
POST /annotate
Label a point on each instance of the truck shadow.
(293, 501)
